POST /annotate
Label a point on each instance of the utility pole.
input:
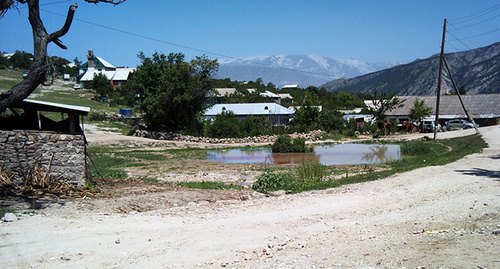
(441, 59)
(469, 117)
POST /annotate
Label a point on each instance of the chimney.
(90, 58)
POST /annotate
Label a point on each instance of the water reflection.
(327, 155)
(377, 154)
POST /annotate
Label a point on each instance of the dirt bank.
(443, 216)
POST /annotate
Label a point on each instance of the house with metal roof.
(276, 114)
(483, 108)
(97, 65)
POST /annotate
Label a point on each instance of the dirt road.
(444, 216)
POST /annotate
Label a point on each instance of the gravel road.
(440, 216)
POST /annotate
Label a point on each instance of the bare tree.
(41, 38)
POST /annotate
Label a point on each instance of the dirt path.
(375, 224)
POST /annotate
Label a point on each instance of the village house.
(483, 108)
(96, 65)
(277, 114)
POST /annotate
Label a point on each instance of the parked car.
(428, 126)
(459, 124)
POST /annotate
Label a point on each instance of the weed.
(4, 210)
(310, 172)
(275, 181)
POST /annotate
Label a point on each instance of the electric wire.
(476, 15)
(185, 47)
(487, 20)
(464, 35)
(459, 40)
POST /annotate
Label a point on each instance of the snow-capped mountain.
(304, 70)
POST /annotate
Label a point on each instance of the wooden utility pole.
(469, 117)
(441, 59)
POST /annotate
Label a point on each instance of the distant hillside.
(304, 70)
(478, 70)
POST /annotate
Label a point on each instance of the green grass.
(10, 79)
(427, 154)
(207, 185)
(4, 210)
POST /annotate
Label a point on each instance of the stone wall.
(64, 152)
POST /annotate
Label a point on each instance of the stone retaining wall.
(257, 139)
(64, 152)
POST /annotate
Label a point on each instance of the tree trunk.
(38, 69)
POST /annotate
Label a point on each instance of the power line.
(183, 46)
(464, 35)
(476, 15)
(477, 23)
(459, 40)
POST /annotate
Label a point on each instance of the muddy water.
(326, 154)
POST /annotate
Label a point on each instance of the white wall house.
(277, 114)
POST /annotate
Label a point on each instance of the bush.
(225, 125)
(273, 182)
(97, 116)
(415, 148)
(309, 173)
(283, 144)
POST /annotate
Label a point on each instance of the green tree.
(306, 117)
(420, 110)
(383, 103)
(330, 120)
(174, 90)
(101, 85)
(224, 125)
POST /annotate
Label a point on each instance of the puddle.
(342, 154)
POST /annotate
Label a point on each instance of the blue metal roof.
(256, 109)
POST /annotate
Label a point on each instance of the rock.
(117, 241)
(204, 203)
(278, 193)
(133, 212)
(191, 204)
(9, 217)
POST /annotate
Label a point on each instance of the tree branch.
(105, 1)
(54, 37)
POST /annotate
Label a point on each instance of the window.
(266, 108)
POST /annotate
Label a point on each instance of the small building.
(277, 114)
(483, 108)
(31, 134)
(96, 65)
(290, 87)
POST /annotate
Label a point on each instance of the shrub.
(97, 116)
(309, 173)
(283, 144)
(299, 145)
(275, 181)
(414, 148)
(225, 125)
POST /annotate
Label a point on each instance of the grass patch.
(4, 210)
(416, 154)
(208, 185)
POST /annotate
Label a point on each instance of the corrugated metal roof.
(118, 74)
(478, 105)
(269, 94)
(104, 63)
(249, 109)
(49, 106)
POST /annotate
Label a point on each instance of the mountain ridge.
(478, 70)
(303, 70)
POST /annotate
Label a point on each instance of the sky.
(372, 31)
